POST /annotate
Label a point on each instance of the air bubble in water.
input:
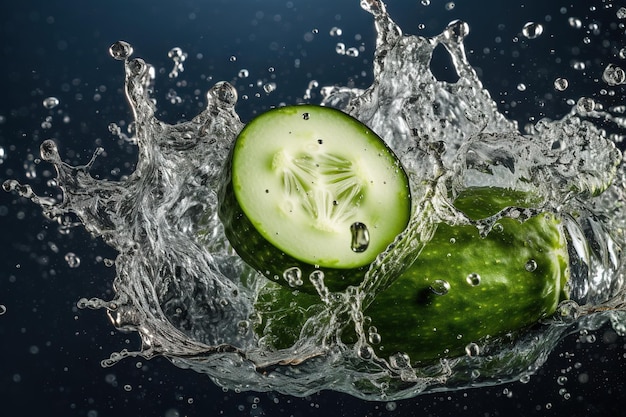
(561, 84)
(3, 309)
(450, 5)
(575, 22)
(440, 287)
(521, 87)
(622, 53)
(243, 73)
(50, 102)
(73, 261)
(340, 48)
(473, 279)
(614, 75)
(532, 30)
(360, 237)
(293, 276)
(121, 50)
(621, 13)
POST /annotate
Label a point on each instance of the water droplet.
(575, 23)
(524, 379)
(561, 84)
(121, 50)
(335, 31)
(456, 30)
(531, 265)
(579, 66)
(614, 75)
(73, 261)
(360, 237)
(440, 287)
(352, 52)
(233, 58)
(521, 87)
(293, 276)
(450, 5)
(473, 279)
(50, 102)
(340, 48)
(425, 2)
(3, 309)
(585, 105)
(622, 53)
(305, 116)
(373, 336)
(472, 349)
(621, 13)
(561, 380)
(243, 73)
(391, 406)
(269, 87)
(532, 30)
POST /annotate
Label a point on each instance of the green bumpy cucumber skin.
(523, 268)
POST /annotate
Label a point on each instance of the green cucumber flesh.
(310, 187)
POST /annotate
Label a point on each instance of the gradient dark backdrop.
(50, 352)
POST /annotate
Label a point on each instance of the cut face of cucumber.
(311, 187)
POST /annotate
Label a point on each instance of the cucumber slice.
(308, 188)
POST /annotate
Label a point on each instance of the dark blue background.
(50, 352)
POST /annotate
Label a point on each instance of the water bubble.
(391, 406)
(50, 102)
(524, 379)
(121, 50)
(531, 265)
(473, 279)
(450, 5)
(579, 65)
(293, 276)
(614, 75)
(440, 287)
(472, 349)
(622, 53)
(243, 73)
(561, 380)
(224, 92)
(532, 30)
(340, 48)
(621, 13)
(373, 336)
(360, 237)
(561, 84)
(425, 2)
(232, 58)
(335, 31)
(3, 309)
(521, 87)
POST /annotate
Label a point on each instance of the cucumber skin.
(406, 312)
(509, 297)
(261, 255)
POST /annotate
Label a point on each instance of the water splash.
(180, 286)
